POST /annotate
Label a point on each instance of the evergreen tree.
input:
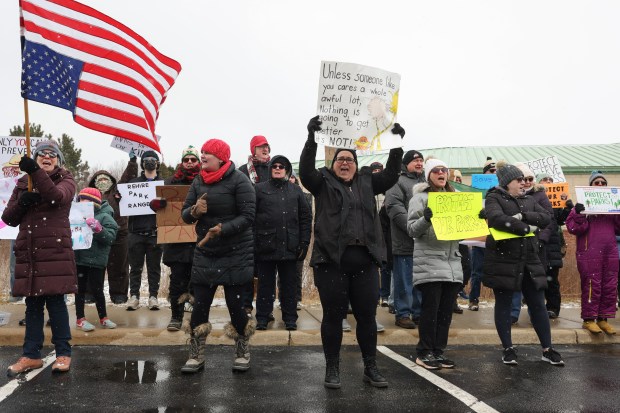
(36, 131)
(165, 171)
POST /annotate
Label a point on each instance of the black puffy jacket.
(179, 252)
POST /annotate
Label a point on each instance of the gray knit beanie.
(507, 172)
(49, 145)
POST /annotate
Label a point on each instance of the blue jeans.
(59, 318)
(516, 304)
(386, 281)
(407, 299)
(477, 262)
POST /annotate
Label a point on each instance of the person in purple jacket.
(597, 262)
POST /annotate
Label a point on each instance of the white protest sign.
(135, 197)
(12, 148)
(81, 234)
(6, 189)
(358, 106)
(599, 199)
(126, 145)
(548, 164)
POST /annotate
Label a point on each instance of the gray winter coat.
(433, 260)
(396, 203)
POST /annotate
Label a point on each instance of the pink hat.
(90, 194)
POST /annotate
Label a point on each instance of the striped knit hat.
(90, 194)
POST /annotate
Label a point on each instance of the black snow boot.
(332, 372)
(371, 373)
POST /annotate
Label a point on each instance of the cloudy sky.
(472, 72)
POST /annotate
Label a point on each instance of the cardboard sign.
(455, 215)
(599, 199)
(358, 106)
(548, 164)
(126, 145)
(135, 197)
(558, 194)
(170, 226)
(484, 181)
(12, 148)
(501, 235)
(81, 234)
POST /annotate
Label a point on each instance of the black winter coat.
(283, 221)
(178, 252)
(331, 197)
(262, 170)
(143, 223)
(229, 258)
(506, 261)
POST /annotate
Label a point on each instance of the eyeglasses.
(187, 160)
(342, 159)
(549, 180)
(519, 179)
(277, 166)
(492, 170)
(528, 179)
(48, 154)
(599, 183)
(149, 159)
(439, 169)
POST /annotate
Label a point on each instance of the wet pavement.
(289, 379)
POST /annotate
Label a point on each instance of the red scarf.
(215, 176)
(186, 175)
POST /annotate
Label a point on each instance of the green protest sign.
(455, 215)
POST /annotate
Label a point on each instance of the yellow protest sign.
(558, 194)
(455, 215)
(500, 235)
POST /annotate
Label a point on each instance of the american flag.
(108, 76)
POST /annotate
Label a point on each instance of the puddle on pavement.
(137, 371)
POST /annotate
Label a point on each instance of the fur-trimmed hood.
(421, 187)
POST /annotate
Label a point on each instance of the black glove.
(398, 130)
(428, 214)
(132, 156)
(482, 214)
(314, 125)
(579, 208)
(28, 165)
(28, 199)
(302, 251)
(569, 204)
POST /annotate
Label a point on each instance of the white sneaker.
(133, 303)
(380, 327)
(107, 323)
(188, 307)
(153, 303)
(298, 305)
(346, 327)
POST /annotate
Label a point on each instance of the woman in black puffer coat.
(221, 201)
(513, 264)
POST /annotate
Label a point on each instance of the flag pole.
(27, 133)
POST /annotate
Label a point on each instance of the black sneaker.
(552, 314)
(261, 325)
(291, 326)
(553, 357)
(510, 356)
(445, 363)
(429, 362)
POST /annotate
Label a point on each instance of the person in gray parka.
(437, 270)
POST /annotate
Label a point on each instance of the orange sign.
(558, 194)
(170, 226)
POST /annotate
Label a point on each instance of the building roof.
(574, 159)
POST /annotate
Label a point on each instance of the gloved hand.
(158, 203)
(518, 216)
(200, 208)
(569, 204)
(302, 251)
(428, 214)
(28, 199)
(532, 229)
(482, 214)
(132, 156)
(398, 130)
(28, 165)
(579, 208)
(314, 125)
(94, 225)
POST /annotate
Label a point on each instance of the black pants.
(94, 277)
(299, 268)
(203, 298)
(552, 293)
(142, 247)
(355, 281)
(436, 316)
(180, 274)
(535, 300)
(266, 271)
(248, 293)
(118, 267)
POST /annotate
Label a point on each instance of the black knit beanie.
(411, 155)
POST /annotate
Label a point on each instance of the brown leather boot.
(23, 365)
(61, 365)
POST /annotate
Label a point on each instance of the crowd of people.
(374, 244)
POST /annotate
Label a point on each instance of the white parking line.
(11, 386)
(471, 401)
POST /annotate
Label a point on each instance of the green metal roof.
(574, 159)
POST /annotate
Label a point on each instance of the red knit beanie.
(90, 194)
(258, 140)
(218, 148)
